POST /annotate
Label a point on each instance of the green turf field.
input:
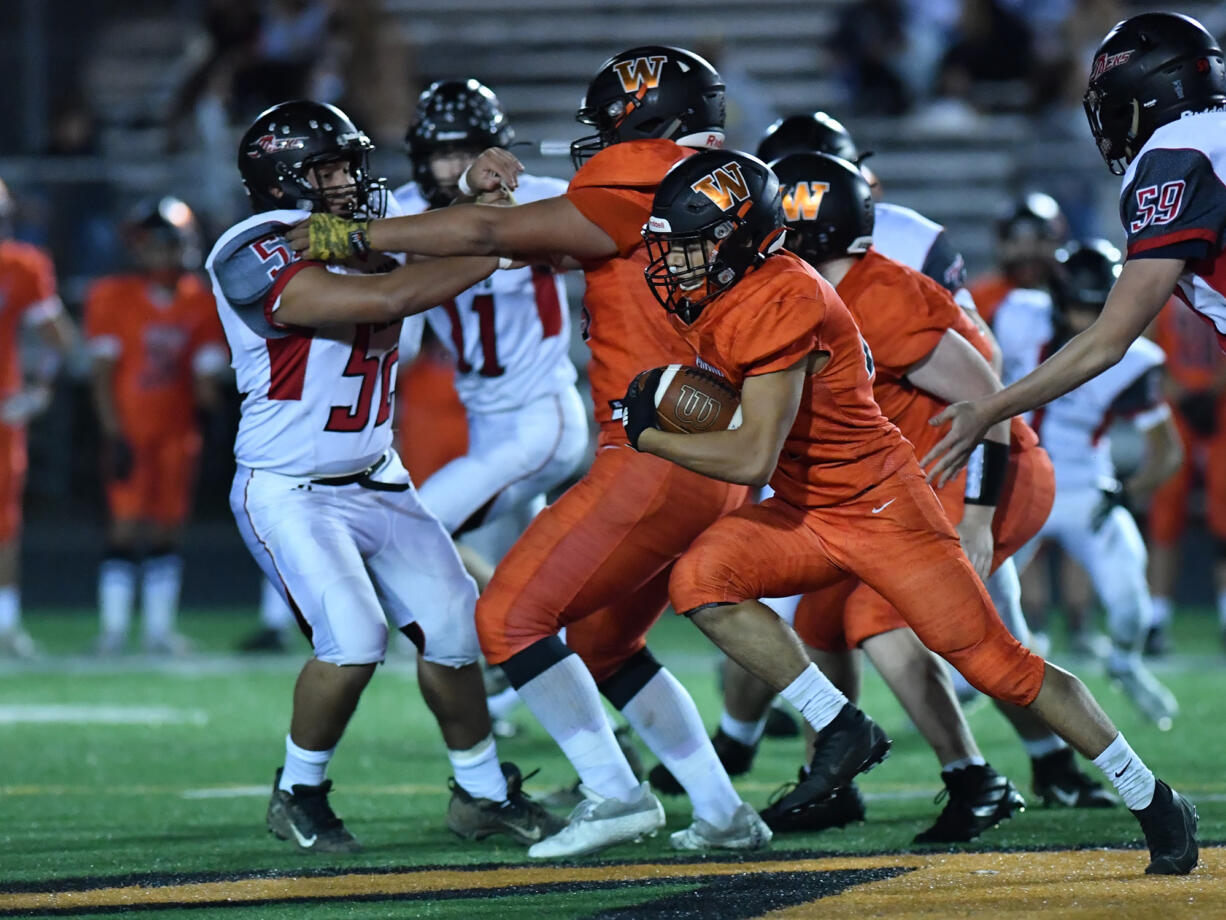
(140, 770)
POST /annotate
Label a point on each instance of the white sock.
(478, 771)
(116, 594)
(502, 704)
(1044, 746)
(814, 697)
(1162, 608)
(10, 608)
(745, 732)
(665, 717)
(1122, 660)
(303, 767)
(962, 763)
(274, 612)
(1127, 772)
(565, 701)
(162, 576)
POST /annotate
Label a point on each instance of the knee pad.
(366, 644)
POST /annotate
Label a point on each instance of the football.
(690, 400)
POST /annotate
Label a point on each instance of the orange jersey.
(1193, 356)
(625, 327)
(155, 339)
(988, 292)
(27, 283)
(840, 444)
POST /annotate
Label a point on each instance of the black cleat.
(851, 744)
(736, 757)
(840, 808)
(1059, 783)
(1157, 642)
(780, 723)
(305, 817)
(978, 798)
(1169, 823)
(519, 817)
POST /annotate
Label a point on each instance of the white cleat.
(746, 831)
(1148, 694)
(598, 822)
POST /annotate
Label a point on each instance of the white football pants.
(347, 557)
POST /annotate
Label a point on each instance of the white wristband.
(504, 262)
(464, 187)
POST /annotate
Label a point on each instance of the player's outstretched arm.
(1144, 286)
(749, 454)
(318, 297)
(546, 229)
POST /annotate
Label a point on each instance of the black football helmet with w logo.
(1148, 71)
(652, 91)
(285, 143)
(828, 205)
(716, 215)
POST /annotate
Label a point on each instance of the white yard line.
(98, 714)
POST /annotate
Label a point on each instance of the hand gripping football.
(690, 400)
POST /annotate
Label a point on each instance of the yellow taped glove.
(334, 239)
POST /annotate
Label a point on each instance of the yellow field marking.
(1081, 884)
(1071, 885)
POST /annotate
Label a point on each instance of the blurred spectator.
(992, 46)
(868, 46)
(750, 108)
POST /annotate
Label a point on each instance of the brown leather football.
(691, 400)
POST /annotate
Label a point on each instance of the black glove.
(116, 459)
(639, 405)
(1200, 409)
(1114, 495)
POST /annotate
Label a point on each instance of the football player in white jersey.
(509, 334)
(1090, 518)
(321, 498)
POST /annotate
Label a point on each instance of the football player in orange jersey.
(157, 352)
(597, 561)
(28, 300)
(851, 502)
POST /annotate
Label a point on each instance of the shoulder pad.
(246, 259)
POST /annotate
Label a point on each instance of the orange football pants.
(896, 539)
(596, 561)
(12, 480)
(1025, 503)
(1168, 512)
(159, 488)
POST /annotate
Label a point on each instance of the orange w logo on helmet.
(803, 200)
(641, 73)
(726, 186)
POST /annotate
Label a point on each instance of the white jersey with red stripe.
(316, 401)
(1173, 206)
(509, 334)
(1074, 428)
